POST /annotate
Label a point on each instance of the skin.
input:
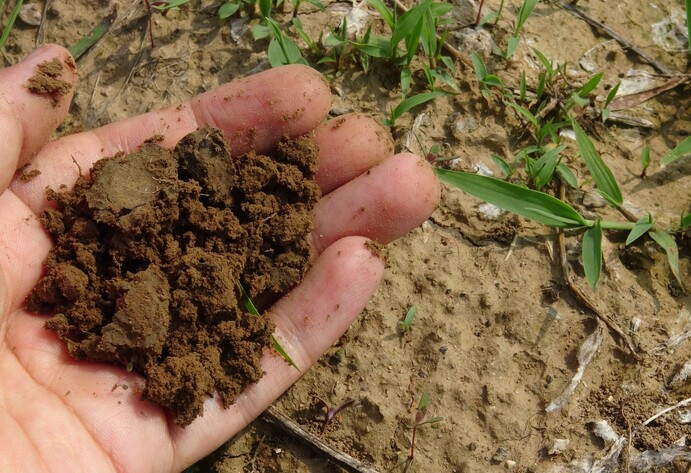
(58, 414)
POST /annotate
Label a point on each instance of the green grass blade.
(252, 310)
(86, 43)
(384, 12)
(604, 179)
(590, 85)
(281, 351)
(10, 24)
(416, 100)
(247, 302)
(523, 14)
(592, 253)
(535, 205)
(408, 22)
(666, 241)
(680, 150)
(525, 112)
(639, 229)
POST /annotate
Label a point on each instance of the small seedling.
(332, 412)
(420, 420)
(252, 310)
(406, 324)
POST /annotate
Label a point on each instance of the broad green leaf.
(666, 241)
(535, 205)
(685, 222)
(384, 11)
(431, 420)
(592, 253)
(424, 401)
(406, 78)
(438, 9)
(409, 21)
(168, 5)
(567, 174)
(604, 179)
(228, 9)
(265, 8)
(680, 150)
(281, 351)
(412, 40)
(407, 323)
(284, 51)
(503, 166)
(645, 157)
(491, 16)
(544, 167)
(511, 46)
(639, 229)
(416, 100)
(377, 46)
(261, 31)
(479, 67)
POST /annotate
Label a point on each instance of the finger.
(28, 118)
(253, 112)
(348, 146)
(383, 204)
(309, 320)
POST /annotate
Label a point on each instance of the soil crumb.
(149, 254)
(46, 81)
(29, 175)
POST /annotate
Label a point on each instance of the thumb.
(34, 99)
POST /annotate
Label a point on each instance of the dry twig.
(573, 9)
(353, 465)
(580, 295)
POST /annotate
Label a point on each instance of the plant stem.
(610, 225)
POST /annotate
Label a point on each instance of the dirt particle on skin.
(376, 249)
(47, 81)
(149, 254)
(29, 175)
(296, 115)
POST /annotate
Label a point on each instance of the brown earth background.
(482, 285)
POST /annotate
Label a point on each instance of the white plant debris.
(682, 377)
(684, 319)
(482, 170)
(585, 356)
(558, 446)
(671, 33)
(610, 462)
(602, 429)
(652, 460)
(488, 211)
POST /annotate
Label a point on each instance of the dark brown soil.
(47, 80)
(148, 257)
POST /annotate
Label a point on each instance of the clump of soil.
(149, 254)
(47, 80)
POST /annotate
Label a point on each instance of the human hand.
(60, 414)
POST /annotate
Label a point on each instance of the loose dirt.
(149, 253)
(47, 80)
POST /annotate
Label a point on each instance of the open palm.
(58, 414)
